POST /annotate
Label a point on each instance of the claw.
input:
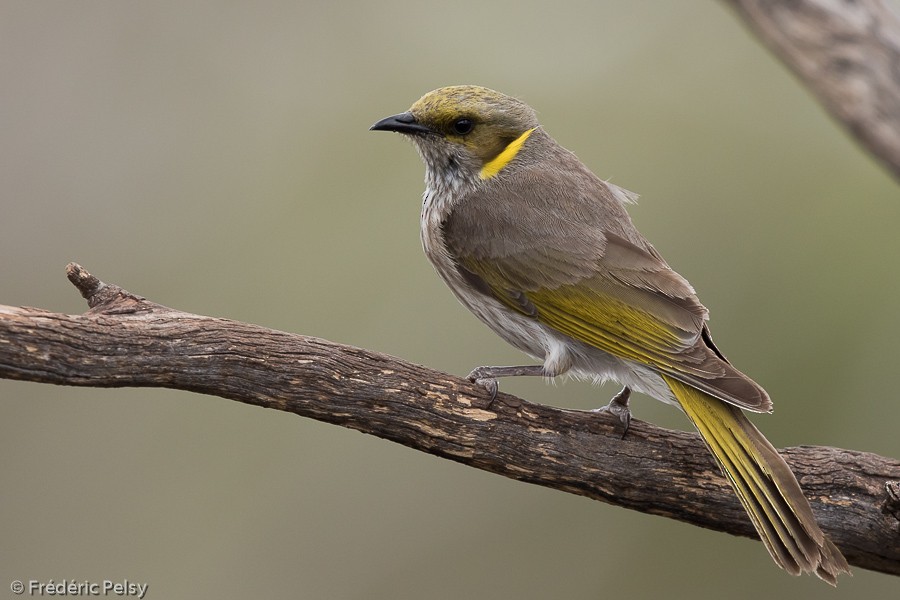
(492, 386)
(481, 376)
(618, 407)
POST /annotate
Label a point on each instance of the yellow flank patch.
(496, 164)
(607, 323)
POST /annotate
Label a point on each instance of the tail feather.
(765, 485)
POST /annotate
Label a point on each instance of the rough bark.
(125, 340)
(847, 52)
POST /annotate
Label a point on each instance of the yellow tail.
(764, 484)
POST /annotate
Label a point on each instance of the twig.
(847, 52)
(125, 340)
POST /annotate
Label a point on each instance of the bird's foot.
(481, 376)
(486, 377)
(618, 407)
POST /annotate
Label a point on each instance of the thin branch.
(125, 340)
(847, 52)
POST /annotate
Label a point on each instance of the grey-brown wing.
(576, 263)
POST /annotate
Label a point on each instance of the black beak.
(402, 123)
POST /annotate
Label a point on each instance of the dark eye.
(463, 126)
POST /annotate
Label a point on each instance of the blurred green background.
(214, 157)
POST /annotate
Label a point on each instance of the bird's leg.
(486, 377)
(618, 407)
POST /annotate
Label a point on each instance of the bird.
(543, 251)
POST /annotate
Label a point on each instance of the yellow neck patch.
(496, 164)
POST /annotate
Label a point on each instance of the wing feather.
(578, 265)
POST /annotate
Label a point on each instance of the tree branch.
(847, 52)
(125, 340)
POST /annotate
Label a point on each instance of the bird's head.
(465, 134)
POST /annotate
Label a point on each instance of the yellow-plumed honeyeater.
(544, 252)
